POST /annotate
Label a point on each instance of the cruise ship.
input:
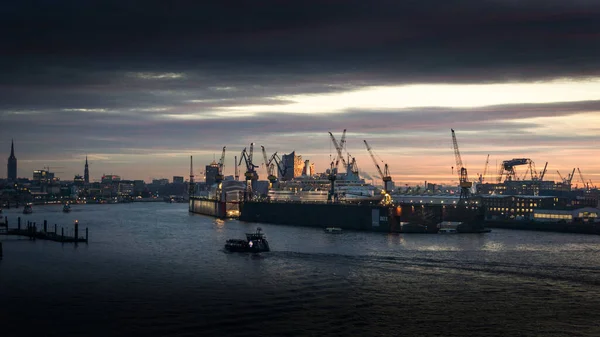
(348, 188)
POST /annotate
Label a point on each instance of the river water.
(153, 269)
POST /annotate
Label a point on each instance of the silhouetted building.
(111, 178)
(42, 177)
(78, 180)
(160, 182)
(212, 171)
(86, 172)
(177, 180)
(11, 169)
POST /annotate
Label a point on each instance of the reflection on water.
(155, 270)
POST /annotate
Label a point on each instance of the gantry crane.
(219, 177)
(385, 174)
(250, 174)
(463, 178)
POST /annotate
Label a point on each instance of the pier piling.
(31, 232)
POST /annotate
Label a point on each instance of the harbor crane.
(331, 196)
(463, 178)
(219, 176)
(339, 147)
(270, 167)
(250, 174)
(566, 181)
(585, 185)
(385, 174)
(543, 172)
(235, 165)
(482, 177)
(281, 168)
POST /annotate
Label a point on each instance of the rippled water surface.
(153, 269)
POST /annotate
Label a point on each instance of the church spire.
(86, 173)
(12, 148)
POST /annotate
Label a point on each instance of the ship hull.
(580, 228)
(346, 216)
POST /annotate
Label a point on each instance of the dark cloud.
(449, 41)
(91, 76)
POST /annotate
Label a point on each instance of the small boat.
(447, 231)
(333, 230)
(66, 208)
(254, 243)
(27, 209)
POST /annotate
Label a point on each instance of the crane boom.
(586, 185)
(219, 176)
(487, 161)
(543, 172)
(463, 177)
(270, 176)
(338, 147)
(374, 160)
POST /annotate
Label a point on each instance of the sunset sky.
(141, 86)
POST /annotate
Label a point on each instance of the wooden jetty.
(33, 232)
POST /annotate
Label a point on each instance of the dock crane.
(339, 147)
(482, 177)
(235, 165)
(569, 178)
(586, 185)
(543, 172)
(385, 174)
(219, 176)
(331, 196)
(250, 174)
(270, 167)
(281, 168)
(463, 178)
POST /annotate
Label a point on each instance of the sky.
(139, 87)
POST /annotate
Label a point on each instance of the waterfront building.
(293, 164)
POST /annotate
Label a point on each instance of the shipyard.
(515, 196)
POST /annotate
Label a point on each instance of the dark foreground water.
(154, 270)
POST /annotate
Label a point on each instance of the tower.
(11, 168)
(86, 172)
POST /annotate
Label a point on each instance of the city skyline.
(140, 91)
